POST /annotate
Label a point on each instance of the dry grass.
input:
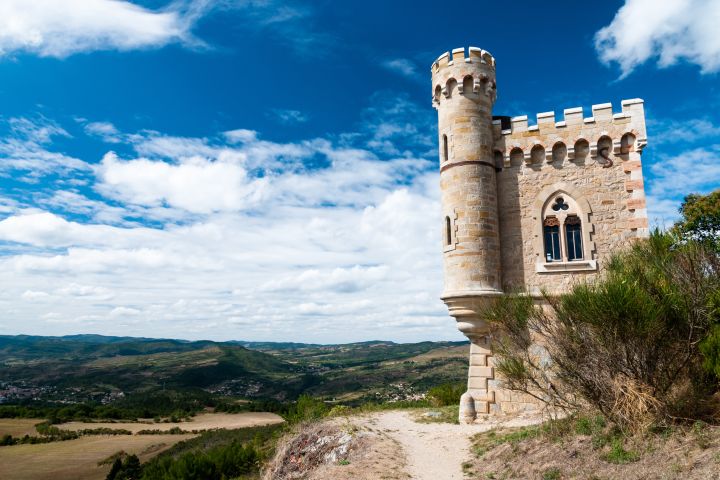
(203, 421)
(682, 453)
(18, 427)
(78, 459)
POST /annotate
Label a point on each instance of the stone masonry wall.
(568, 157)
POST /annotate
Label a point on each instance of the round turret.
(464, 92)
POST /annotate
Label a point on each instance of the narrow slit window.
(448, 231)
(573, 234)
(551, 232)
(445, 148)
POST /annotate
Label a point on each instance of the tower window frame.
(445, 148)
(448, 231)
(573, 238)
(552, 240)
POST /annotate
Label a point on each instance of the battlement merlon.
(574, 127)
(457, 70)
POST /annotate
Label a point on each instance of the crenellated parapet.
(574, 137)
(468, 73)
(605, 140)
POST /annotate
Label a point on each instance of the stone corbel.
(446, 92)
(571, 153)
(548, 155)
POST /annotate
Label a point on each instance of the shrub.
(446, 394)
(632, 344)
(306, 408)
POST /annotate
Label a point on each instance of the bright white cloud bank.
(58, 28)
(666, 30)
(231, 237)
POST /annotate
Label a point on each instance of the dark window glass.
(573, 234)
(551, 232)
(445, 148)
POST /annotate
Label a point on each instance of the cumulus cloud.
(52, 28)
(233, 236)
(668, 32)
(196, 185)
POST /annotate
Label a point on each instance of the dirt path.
(433, 451)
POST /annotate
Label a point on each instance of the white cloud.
(401, 66)
(696, 170)
(34, 295)
(23, 149)
(77, 290)
(54, 28)
(674, 176)
(124, 312)
(105, 130)
(240, 135)
(239, 238)
(686, 131)
(289, 117)
(668, 31)
(196, 185)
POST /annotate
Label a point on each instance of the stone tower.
(464, 96)
(526, 207)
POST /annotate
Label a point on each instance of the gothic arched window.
(562, 229)
(563, 232)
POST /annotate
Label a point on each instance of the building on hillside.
(526, 207)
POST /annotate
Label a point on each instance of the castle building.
(526, 207)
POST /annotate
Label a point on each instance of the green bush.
(633, 344)
(306, 408)
(446, 394)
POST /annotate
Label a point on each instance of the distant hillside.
(94, 367)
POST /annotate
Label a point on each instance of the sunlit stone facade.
(526, 207)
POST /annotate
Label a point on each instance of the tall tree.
(700, 217)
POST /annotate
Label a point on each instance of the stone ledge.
(564, 267)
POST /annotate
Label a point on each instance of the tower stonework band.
(525, 207)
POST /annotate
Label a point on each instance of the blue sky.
(265, 170)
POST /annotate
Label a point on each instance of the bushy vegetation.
(174, 405)
(217, 463)
(640, 344)
(215, 455)
(446, 394)
(306, 408)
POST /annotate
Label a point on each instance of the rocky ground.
(384, 445)
(403, 445)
